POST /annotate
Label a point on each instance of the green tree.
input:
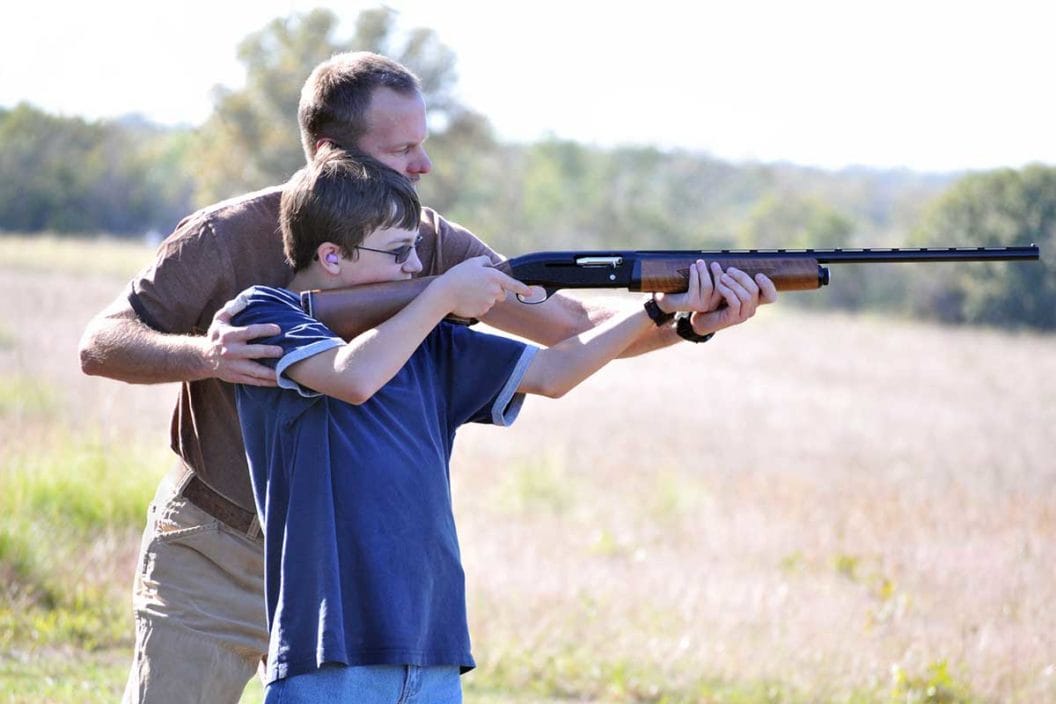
(789, 221)
(997, 208)
(783, 220)
(251, 140)
(65, 174)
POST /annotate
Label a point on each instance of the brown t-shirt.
(211, 257)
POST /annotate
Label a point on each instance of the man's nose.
(423, 164)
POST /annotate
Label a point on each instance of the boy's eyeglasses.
(401, 253)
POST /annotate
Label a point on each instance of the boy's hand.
(474, 286)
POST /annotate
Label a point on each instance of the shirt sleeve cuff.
(298, 355)
(508, 403)
(141, 311)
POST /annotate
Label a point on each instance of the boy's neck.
(311, 279)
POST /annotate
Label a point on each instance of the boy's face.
(377, 258)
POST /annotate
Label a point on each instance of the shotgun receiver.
(350, 311)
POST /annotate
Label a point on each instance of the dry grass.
(813, 500)
(833, 506)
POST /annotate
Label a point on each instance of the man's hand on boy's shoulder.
(229, 354)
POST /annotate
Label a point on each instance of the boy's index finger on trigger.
(513, 285)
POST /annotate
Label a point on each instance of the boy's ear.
(329, 254)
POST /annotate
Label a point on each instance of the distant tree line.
(996, 208)
(127, 177)
(66, 175)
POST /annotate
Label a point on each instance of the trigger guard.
(548, 291)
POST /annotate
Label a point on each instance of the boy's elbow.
(548, 388)
(355, 393)
(548, 374)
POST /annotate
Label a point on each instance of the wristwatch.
(656, 315)
(685, 330)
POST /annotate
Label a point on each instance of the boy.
(349, 454)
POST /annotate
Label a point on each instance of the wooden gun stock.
(672, 275)
(352, 311)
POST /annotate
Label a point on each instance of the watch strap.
(656, 315)
(684, 328)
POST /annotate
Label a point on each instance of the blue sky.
(928, 85)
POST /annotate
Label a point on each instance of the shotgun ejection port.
(599, 261)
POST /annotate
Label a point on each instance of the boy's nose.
(413, 264)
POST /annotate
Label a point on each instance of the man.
(198, 595)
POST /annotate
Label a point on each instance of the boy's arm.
(556, 370)
(355, 371)
(561, 317)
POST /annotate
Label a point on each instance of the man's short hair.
(337, 94)
(342, 197)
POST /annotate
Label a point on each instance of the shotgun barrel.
(668, 270)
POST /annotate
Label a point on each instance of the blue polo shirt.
(362, 557)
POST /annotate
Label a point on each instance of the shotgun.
(351, 311)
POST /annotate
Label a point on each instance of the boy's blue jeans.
(380, 684)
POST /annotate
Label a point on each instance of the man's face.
(396, 132)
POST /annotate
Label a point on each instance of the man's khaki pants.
(198, 601)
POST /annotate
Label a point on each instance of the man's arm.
(735, 298)
(116, 344)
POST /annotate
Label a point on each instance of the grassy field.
(812, 508)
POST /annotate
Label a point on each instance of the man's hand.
(472, 287)
(228, 353)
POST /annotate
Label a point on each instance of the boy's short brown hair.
(342, 197)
